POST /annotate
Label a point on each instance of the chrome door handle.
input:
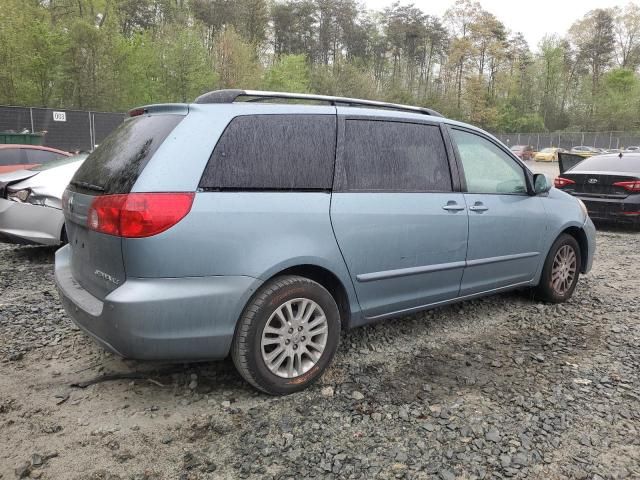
(478, 207)
(453, 207)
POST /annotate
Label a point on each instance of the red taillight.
(632, 186)
(136, 112)
(560, 182)
(138, 215)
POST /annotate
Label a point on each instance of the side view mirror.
(541, 184)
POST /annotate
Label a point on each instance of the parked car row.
(260, 230)
(550, 154)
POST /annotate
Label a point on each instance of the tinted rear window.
(394, 157)
(12, 156)
(613, 163)
(274, 152)
(119, 160)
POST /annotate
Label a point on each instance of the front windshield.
(547, 150)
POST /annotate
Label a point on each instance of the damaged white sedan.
(31, 203)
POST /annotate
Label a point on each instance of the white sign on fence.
(59, 116)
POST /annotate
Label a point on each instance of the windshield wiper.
(88, 186)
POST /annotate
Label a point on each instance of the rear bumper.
(191, 318)
(617, 209)
(24, 223)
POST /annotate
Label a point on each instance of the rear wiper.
(88, 186)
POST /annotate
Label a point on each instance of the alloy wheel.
(294, 338)
(564, 268)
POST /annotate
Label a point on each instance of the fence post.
(610, 139)
(538, 143)
(582, 141)
(93, 130)
(31, 115)
(90, 133)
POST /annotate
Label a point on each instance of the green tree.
(594, 39)
(289, 74)
(627, 33)
(185, 71)
(619, 100)
(234, 61)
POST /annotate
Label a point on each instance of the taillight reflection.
(632, 186)
(560, 182)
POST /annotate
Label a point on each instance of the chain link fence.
(566, 140)
(82, 130)
(68, 130)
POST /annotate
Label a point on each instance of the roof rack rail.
(230, 96)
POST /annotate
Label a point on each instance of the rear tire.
(287, 335)
(561, 270)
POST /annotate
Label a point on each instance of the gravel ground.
(502, 387)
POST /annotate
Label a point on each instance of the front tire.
(561, 270)
(287, 335)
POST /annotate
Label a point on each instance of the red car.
(19, 157)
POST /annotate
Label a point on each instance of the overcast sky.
(533, 18)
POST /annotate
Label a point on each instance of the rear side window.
(394, 157)
(274, 152)
(42, 156)
(12, 156)
(117, 163)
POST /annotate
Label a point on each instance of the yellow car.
(547, 155)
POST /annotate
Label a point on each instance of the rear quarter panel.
(255, 234)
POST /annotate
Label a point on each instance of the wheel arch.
(328, 280)
(581, 237)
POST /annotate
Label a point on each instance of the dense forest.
(115, 54)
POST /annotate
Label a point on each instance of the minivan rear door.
(112, 169)
(400, 225)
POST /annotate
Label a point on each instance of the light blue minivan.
(261, 224)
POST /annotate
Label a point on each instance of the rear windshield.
(12, 156)
(117, 163)
(610, 163)
(59, 162)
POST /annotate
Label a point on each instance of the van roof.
(231, 96)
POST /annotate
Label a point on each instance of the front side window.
(394, 157)
(487, 169)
